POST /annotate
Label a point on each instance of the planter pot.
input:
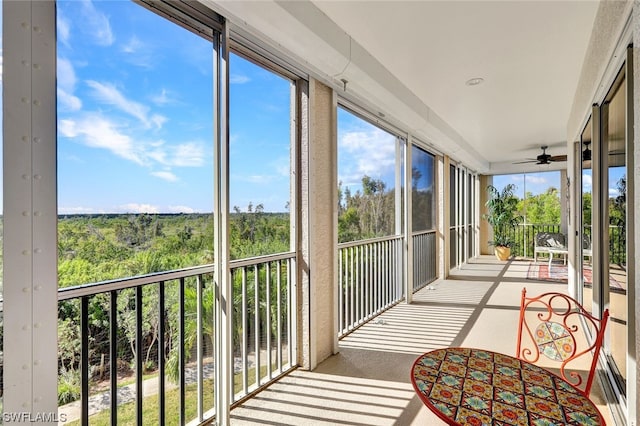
(502, 253)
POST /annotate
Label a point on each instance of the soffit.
(411, 59)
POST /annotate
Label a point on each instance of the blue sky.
(135, 120)
(537, 183)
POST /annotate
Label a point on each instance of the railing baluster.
(279, 316)
(358, 286)
(84, 360)
(278, 333)
(245, 334)
(139, 350)
(161, 354)
(256, 319)
(291, 308)
(181, 354)
(340, 298)
(113, 356)
(268, 317)
(199, 348)
(352, 316)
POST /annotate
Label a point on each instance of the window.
(422, 187)
(366, 179)
(260, 160)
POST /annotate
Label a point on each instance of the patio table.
(562, 251)
(465, 386)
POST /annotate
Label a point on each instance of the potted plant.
(502, 214)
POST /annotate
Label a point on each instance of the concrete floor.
(367, 382)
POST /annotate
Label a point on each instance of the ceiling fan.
(586, 154)
(544, 158)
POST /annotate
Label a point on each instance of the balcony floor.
(367, 382)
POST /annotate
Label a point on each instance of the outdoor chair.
(586, 247)
(557, 327)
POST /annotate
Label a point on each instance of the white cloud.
(63, 28)
(137, 208)
(66, 81)
(98, 132)
(238, 79)
(180, 209)
(66, 75)
(133, 45)
(68, 102)
(166, 175)
(190, 154)
(373, 152)
(158, 120)
(586, 182)
(109, 94)
(536, 179)
(614, 192)
(77, 210)
(162, 98)
(97, 24)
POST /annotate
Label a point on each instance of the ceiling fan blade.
(558, 158)
(523, 162)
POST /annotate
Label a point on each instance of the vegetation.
(106, 247)
(502, 214)
(543, 208)
(370, 212)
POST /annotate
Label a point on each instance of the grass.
(150, 404)
(150, 407)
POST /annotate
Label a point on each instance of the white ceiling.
(411, 59)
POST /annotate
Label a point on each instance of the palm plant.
(502, 214)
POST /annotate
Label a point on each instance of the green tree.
(543, 208)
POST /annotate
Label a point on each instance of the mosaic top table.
(466, 386)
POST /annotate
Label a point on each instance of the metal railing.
(168, 318)
(524, 237)
(264, 320)
(370, 279)
(424, 259)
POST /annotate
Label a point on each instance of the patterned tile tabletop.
(466, 386)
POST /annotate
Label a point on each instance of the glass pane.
(539, 206)
(422, 187)
(586, 278)
(135, 192)
(259, 160)
(366, 179)
(617, 213)
(453, 204)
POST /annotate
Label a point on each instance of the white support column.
(222, 275)
(564, 225)
(486, 232)
(30, 212)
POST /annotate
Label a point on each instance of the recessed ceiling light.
(474, 81)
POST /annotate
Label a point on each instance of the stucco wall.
(486, 233)
(608, 26)
(319, 341)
